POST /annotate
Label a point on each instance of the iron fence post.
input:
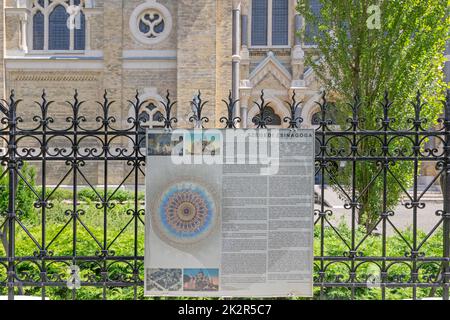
(446, 194)
(334, 146)
(12, 174)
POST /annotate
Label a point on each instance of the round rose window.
(150, 22)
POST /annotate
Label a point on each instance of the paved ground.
(403, 218)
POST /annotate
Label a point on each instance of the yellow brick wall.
(196, 54)
(201, 39)
(2, 48)
(224, 52)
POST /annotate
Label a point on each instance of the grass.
(121, 239)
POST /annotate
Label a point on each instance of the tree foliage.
(402, 55)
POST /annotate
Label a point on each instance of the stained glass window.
(259, 22)
(38, 31)
(266, 13)
(59, 33)
(280, 22)
(80, 33)
(312, 31)
(57, 25)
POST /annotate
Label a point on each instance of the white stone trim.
(38, 54)
(10, 11)
(46, 64)
(22, 3)
(310, 108)
(271, 65)
(150, 5)
(153, 65)
(156, 54)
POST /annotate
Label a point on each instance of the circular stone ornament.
(185, 213)
(150, 23)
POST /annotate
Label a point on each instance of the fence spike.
(447, 104)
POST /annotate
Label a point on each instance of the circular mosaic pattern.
(186, 213)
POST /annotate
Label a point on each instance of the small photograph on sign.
(203, 144)
(201, 280)
(164, 279)
(164, 144)
(211, 144)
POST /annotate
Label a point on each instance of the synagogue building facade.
(215, 46)
(158, 45)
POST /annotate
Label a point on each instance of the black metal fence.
(70, 239)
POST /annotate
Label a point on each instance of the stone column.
(236, 77)
(245, 55)
(88, 32)
(297, 56)
(23, 32)
(246, 94)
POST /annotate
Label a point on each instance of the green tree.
(25, 197)
(401, 54)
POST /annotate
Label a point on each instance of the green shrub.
(120, 195)
(118, 218)
(60, 194)
(123, 246)
(25, 197)
(89, 195)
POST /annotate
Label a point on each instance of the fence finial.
(197, 105)
(168, 119)
(262, 119)
(294, 120)
(230, 121)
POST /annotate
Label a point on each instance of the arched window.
(150, 117)
(59, 33)
(259, 22)
(58, 25)
(270, 23)
(80, 34)
(313, 31)
(269, 113)
(38, 31)
(157, 120)
(280, 22)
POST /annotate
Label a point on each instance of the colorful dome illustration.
(186, 213)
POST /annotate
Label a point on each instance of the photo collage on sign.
(196, 279)
(192, 143)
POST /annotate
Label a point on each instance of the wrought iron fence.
(91, 246)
